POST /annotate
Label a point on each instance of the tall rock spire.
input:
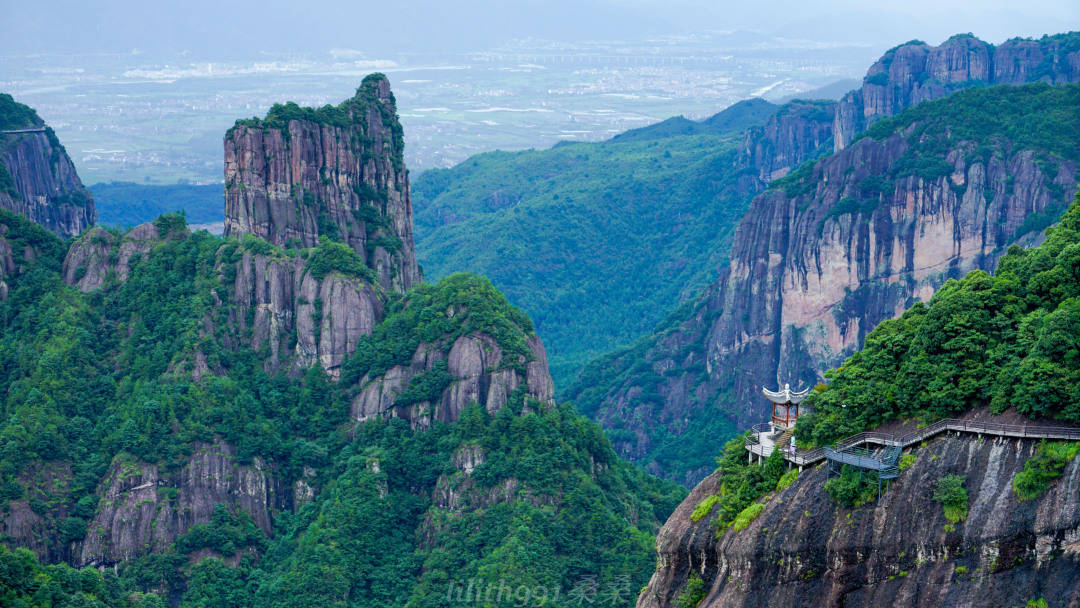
(337, 172)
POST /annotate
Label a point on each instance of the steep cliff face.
(37, 178)
(805, 550)
(813, 273)
(477, 373)
(826, 254)
(916, 72)
(797, 132)
(337, 172)
(144, 509)
(304, 320)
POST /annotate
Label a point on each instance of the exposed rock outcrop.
(31, 520)
(805, 550)
(303, 173)
(809, 278)
(99, 254)
(144, 509)
(915, 72)
(477, 374)
(37, 178)
(799, 131)
(304, 320)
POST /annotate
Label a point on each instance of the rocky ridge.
(286, 289)
(916, 72)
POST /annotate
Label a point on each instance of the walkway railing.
(26, 130)
(816, 455)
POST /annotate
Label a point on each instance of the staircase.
(785, 439)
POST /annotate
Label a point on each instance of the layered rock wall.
(805, 550)
(144, 509)
(916, 71)
(303, 174)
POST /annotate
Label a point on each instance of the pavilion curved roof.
(785, 395)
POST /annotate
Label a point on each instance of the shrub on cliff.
(1042, 469)
(852, 488)
(953, 497)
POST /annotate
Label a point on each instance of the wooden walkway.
(802, 458)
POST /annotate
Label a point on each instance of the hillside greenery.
(131, 204)
(598, 241)
(14, 115)
(1007, 340)
(27, 583)
(94, 381)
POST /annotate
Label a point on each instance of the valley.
(794, 352)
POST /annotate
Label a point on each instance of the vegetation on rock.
(1002, 340)
(953, 497)
(1042, 469)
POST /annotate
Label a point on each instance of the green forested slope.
(131, 204)
(598, 241)
(90, 381)
(1007, 340)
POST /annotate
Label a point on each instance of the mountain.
(971, 519)
(840, 244)
(37, 178)
(287, 416)
(595, 240)
(738, 117)
(916, 71)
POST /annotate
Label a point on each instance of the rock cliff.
(477, 374)
(915, 72)
(37, 178)
(337, 172)
(797, 132)
(813, 272)
(805, 550)
(100, 255)
(286, 292)
(144, 509)
(822, 257)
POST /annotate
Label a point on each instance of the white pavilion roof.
(785, 395)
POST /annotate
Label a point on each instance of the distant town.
(156, 120)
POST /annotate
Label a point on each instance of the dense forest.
(598, 241)
(101, 383)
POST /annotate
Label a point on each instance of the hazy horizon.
(144, 91)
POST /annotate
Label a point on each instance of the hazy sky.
(228, 28)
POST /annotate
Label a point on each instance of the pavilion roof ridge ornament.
(785, 395)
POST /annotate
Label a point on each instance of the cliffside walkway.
(759, 444)
(28, 130)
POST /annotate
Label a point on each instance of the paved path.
(762, 446)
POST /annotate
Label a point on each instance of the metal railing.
(1020, 431)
